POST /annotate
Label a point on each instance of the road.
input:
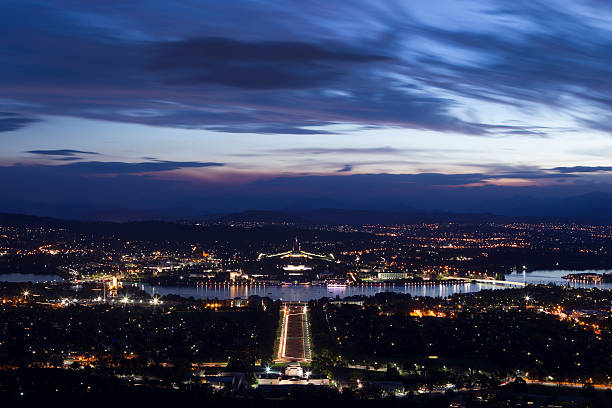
(294, 343)
(567, 384)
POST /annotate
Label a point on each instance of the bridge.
(294, 341)
(490, 281)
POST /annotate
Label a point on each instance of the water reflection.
(556, 277)
(305, 293)
(29, 277)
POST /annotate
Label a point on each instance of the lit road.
(294, 343)
(566, 384)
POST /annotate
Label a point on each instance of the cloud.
(60, 152)
(14, 121)
(397, 182)
(255, 65)
(222, 80)
(346, 168)
(392, 65)
(269, 129)
(553, 57)
(583, 169)
(139, 185)
(369, 181)
(340, 150)
(85, 168)
(602, 123)
(97, 167)
(67, 158)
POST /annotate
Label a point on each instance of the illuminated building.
(297, 264)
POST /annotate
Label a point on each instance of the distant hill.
(360, 217)
(162, 231)
(335, 216)
(595, 207)
(269, 217)
(87, 212)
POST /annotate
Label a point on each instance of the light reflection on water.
(305, 293)
(29, 277)
(556, 276)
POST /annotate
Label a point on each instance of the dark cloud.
(396, 182)
(14, 121)
(346, 168)
(530, 175)
(368, 181)
(60, 152)
(582, 169)
(255, 65)
(97, 167)
(85, 168)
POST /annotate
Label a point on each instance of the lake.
(29, 277)
(306, 293)
(556, 276)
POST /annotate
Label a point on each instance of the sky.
(234, 105)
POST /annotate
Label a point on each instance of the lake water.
(29, 277)
(306, 293)
(556, 276)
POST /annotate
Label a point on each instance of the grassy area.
(279, 329)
